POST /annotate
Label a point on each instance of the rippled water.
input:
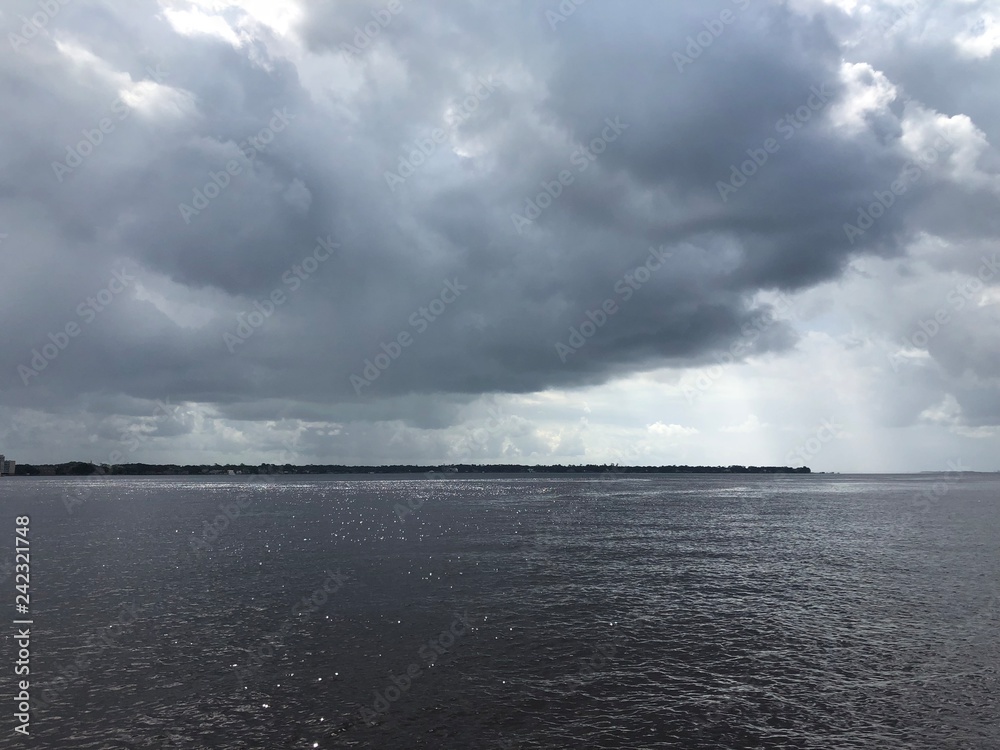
(683, 612)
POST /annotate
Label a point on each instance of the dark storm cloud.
(608, 70)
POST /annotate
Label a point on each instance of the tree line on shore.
(86, 468)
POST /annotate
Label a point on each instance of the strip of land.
(84, 468)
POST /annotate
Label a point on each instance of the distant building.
(7, 467)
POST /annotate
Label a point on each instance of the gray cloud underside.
(355, 116)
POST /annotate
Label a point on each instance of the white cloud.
(670, 430)
(752, 424)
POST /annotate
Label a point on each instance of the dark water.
(681, 612)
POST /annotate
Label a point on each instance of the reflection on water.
(631, 612)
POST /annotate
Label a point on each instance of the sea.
(503, 612)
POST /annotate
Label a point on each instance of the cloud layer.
(346, 230)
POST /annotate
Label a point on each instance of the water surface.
(686, 611)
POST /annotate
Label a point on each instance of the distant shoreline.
(82, 468)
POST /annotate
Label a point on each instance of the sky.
(725, 232)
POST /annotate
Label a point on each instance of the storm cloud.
(345, 231)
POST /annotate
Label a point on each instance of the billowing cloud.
(345, 231)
